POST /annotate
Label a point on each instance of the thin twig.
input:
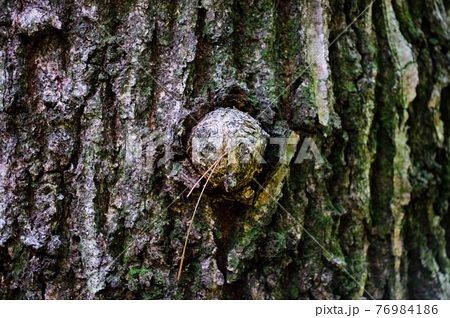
(214, 166)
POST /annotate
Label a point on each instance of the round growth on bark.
(228, 129)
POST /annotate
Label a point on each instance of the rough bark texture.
(98, 99)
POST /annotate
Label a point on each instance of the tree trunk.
(98, 102)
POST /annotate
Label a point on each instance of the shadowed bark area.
(98, 102)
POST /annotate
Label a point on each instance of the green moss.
(234, 263)
(218, 234)
(156, 293)
(138, 271)
(20, 264)
(121, 154)
(307, 94)
(410, 30)
(178, 296)
(294, 292)
(434, 41)
(16, 250)
(159, 279)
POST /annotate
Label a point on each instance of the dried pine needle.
(213, 167)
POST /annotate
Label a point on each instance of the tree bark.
(98, 102)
